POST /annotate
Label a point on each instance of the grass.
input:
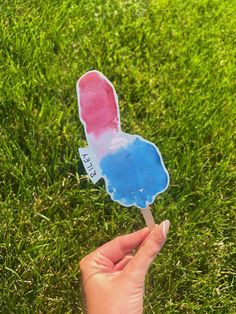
(173, 66)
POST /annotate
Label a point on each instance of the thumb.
(137, 268)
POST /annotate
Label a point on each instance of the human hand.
(113, 278)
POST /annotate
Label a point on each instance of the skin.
(113, 278)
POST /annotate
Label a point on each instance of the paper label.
(90, 164)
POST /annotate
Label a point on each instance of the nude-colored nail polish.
(165, 227)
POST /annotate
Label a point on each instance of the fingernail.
(165, 227)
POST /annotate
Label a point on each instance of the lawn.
(173, 66)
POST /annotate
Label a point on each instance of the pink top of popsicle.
(98, 104)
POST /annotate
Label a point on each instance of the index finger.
(117, 248)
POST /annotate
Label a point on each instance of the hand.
(113, 278)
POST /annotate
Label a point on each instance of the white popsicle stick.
(148, 218)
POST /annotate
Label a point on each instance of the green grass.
(173, 66)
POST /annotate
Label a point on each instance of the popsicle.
(132, 167)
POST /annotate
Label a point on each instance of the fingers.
(122, 263)
(116, 249)
(151, 246)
